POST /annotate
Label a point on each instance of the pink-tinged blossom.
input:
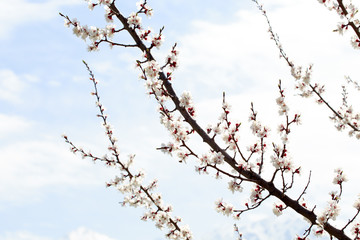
(296, 72)
(330, 212)
(256, 147)
(186, 100)
(152, 69)
(341, 27)
(205, 159)
(356, 231)
(217, 158)
(173, 62)
(94, 33)
(145, 8)
(283, 108)
(224, 208)
(182, 156)
(157, 40)
(278, 209)
(357, 204)
(217, 129)
(259, 130)
(77, 30)
(234, 186)
(340, 176)
(283, 163)
(255, 194)
(185, 232)
(108, 14)
(232, 146)
(226, 106)
(307, 75)
(91, 5)
(110, 30)
(134, 20)
(355, 42)
(161, 219)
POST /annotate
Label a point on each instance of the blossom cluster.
(340, 176)
(228, 131)
(108, 12)
(349, 12)
(331, 211)
(157, 81)
(91, 4)
(346, 116)
(280, 159)
(234, 186)
(356, 231)
(142, 196)
(94, 34)
(256, 127)
(214, 160)
(343, 118)
(143, 7)
(130, 183)
(172, 59)
(225, 208)
(154, 76)
(97, 35)
(187, 103)
(134, 20)
(303, 78)
(256, 194)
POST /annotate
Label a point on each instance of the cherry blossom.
(134, 20)
(227, 156)
(224, 208)
(278, 209)
(340, 176)
(157, 40)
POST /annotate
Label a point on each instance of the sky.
(48, 193)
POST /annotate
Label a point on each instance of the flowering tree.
(226, 157)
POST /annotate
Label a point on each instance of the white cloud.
(14, 85)
(30, 167)
(21, 235)
(81, 233)
(12, 124)
(86, 234)
(11, 86)
(27, 12)
(239, 54)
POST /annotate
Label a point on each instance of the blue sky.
(47, 193)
